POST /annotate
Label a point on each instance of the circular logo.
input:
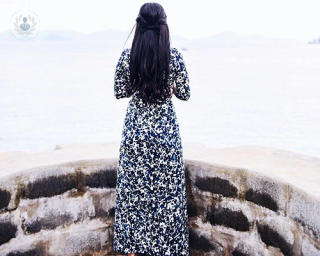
(25, 25)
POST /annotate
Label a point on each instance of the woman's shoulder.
(174, 50)
(126, 51)
(176, 53)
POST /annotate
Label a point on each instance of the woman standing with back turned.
(151, 202)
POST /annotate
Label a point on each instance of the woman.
(151, 203)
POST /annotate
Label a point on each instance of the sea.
(243, 92)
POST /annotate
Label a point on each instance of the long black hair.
(150, 55)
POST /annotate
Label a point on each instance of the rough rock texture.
(68, 209)
(260, 216)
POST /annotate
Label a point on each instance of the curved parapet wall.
(68, 209)
(239, 212)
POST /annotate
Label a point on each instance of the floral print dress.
(151, 203)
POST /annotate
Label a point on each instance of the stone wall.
(68, 209)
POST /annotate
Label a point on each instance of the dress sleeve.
(122, 75)
(182, 79)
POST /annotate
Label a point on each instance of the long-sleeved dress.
(151, 203)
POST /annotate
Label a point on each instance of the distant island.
(315, 41)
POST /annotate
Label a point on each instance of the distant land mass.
(315, 41)
(230, 36)
(116, 35)
(70, 35)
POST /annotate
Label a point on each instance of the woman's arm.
(122, 75)
(181, 89)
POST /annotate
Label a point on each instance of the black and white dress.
(151, 203)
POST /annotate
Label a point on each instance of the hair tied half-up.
(144, 28)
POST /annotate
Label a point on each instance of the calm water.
(263, 94)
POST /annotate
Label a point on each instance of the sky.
(287, 19)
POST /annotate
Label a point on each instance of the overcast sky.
(292, 19)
